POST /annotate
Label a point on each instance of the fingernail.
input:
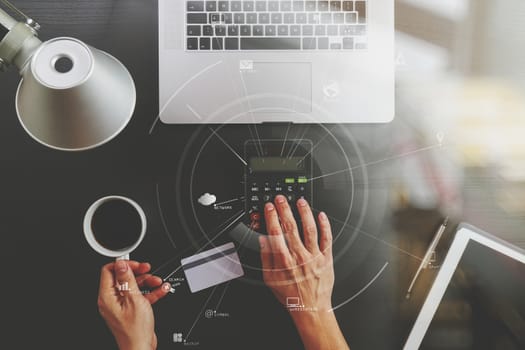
(280, 199)
(121, 266)
(302, 202)
(323, 216)
(166, 287)
(269, 206)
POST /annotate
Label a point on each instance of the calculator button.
(278, 188)
(254, 198)
(290, 197)
(289, 188)
(301, 188)
(267, 187)
(255, 208)
(254, 188)
(255, 216)
(289, 180)
(267, 198)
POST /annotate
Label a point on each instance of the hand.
(293, 269)
(127, 311)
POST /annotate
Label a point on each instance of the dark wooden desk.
(50, 288)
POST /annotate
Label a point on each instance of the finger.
(141, 279)
(291, 232)
(124, 277)
(140, 268)
(309, 227)
(158, 293)
(326, 234)
(266, 253)
(107, 278)
(266, 258)
(272, 220)
(280, 252)
(148, 281)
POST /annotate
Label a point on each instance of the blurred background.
(461, 82)
(460, 85)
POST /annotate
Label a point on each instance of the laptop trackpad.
(284, 87)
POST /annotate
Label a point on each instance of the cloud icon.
(207, 199)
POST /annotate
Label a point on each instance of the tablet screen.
(483, 306)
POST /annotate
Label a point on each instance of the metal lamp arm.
(5, 19)
(18, 38)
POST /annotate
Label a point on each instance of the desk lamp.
(72, 96)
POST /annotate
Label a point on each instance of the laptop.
(477, 299)
(243, 61)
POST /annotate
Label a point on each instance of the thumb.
(266, 253)
(125, 279)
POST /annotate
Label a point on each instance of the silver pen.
(428, 255)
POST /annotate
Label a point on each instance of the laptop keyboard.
(276, 25)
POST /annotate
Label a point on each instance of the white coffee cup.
(121, 254)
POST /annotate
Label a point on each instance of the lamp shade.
(74, 97)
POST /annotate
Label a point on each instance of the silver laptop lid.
(276, 61)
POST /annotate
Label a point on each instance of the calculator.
(276, 167)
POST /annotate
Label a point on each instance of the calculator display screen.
(268, 164)
(276, 167)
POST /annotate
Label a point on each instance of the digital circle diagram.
(205, 202)
(211, 196)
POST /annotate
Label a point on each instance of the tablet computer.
(477, 299)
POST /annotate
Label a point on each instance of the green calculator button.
(289, 180)
(302, 180)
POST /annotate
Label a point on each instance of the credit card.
(212, 267)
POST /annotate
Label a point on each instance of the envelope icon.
(246, 65)
(212, 267)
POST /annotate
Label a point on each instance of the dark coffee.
(116, 224)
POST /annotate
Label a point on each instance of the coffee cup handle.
(123, 257)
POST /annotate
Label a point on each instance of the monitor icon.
(292, 302)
